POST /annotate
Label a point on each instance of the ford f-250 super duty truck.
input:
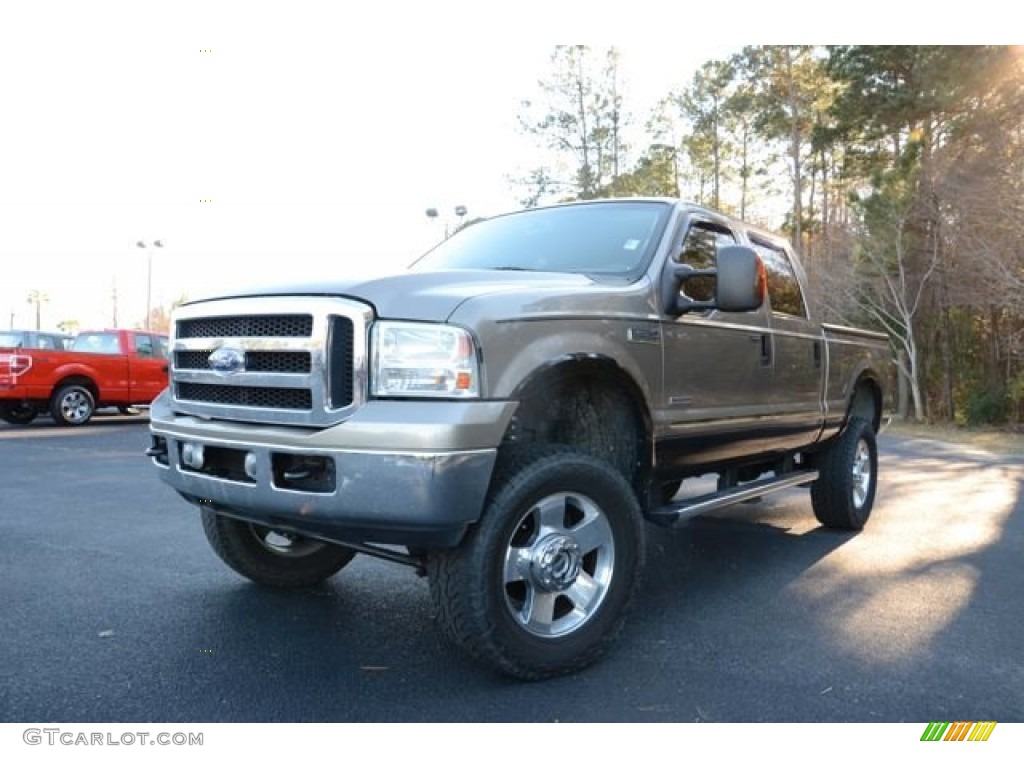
(112, 367)
(506, 414)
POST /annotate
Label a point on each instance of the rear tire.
(18, 413)
(273, 558)
(541, 585)
(73, 405)
(844, 492)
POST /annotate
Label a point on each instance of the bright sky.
(260, 141)
(318, 141)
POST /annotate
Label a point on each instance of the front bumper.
(405, 473)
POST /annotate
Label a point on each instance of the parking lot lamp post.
(37, 297)
(149, 277)
(460, 211)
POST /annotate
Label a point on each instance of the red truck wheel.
(73, 405)
(17, 414)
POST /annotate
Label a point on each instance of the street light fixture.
(460, 211)
(36, 297)
(149, 277)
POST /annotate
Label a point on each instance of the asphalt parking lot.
(116, 610)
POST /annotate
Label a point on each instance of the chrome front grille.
(274, 360)
(246, 325)
(270, 362)
(257, 397)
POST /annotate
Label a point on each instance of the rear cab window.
(144, 345)
(97, 343)
(784, 292)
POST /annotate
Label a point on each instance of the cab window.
(783, 286)
(143, 345)
(97, 343)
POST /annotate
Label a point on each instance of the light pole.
(460, 211)
(149, 276)
(37, 297)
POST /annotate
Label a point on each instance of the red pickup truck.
(120, 368)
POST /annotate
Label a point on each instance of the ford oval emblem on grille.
(227, 360)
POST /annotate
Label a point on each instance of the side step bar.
(675, 513)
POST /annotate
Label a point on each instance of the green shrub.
(987, 406)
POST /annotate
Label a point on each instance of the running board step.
(676, 513)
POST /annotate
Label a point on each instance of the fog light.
(192, 455)
(250, 465)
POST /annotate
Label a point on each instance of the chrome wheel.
(559, 565)
(75, 406)
(861, 471)
(72, 405)
(542, 584)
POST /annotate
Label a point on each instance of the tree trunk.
(794, 117)
(902, 395)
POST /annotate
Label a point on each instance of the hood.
(427, 296)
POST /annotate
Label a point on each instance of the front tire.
(18, 414)
(273, 558)
(73, 405)
(541, 585)
(844, 492)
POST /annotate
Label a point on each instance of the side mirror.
(740, 283)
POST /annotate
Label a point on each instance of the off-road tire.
(546, 505)
(249, 550)
(844, 492)
(18, 414)
(72, 405)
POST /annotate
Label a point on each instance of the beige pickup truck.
(507, 415)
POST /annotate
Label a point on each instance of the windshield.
(590, 238)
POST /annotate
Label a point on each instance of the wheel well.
(591, 405)
(866, 402)
(84, 381)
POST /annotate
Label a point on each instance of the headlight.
(423, 360)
